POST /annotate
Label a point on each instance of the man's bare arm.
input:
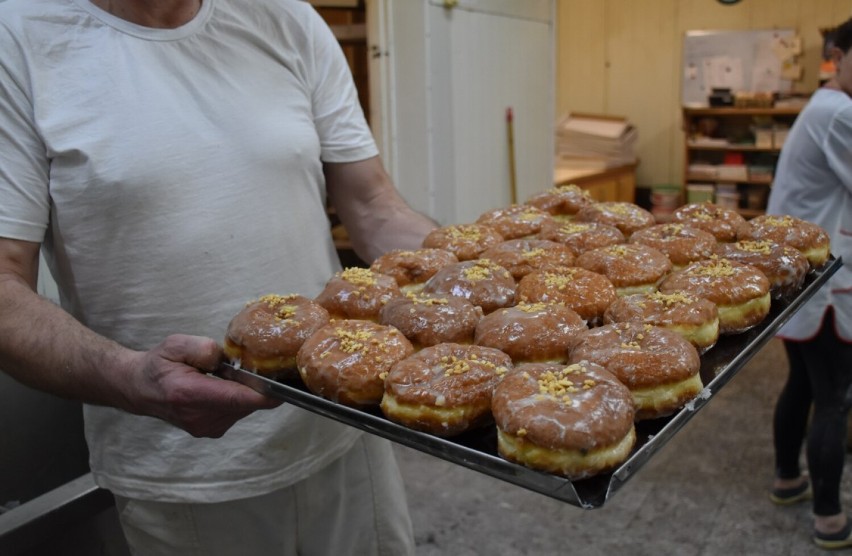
(376, 217)
(44, 347)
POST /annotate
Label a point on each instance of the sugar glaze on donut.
(573, 420)
(444, 389)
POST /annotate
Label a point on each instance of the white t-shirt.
(173, 175)
(813, 181)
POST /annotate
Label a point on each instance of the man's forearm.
(44, 347)
(377, 218)
(403, 228)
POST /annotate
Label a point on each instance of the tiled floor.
(705, 493)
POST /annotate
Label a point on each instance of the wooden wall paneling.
(641, 82)
(581, 56)
(711, 15)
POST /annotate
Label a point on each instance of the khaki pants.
(356, 505)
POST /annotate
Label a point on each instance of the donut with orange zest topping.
(412, 267)
(659, 366)
(531, 332)
(811, 240)
(427, 320)
(627, 217)
(483, 282)
(587, 293)
(693, 317)
(631, 267)
(681, 243)
(346, 361)
(785, 266)
(562, 202)
(723, 223)
(572, 420)
(582, 236)
(515, 221)
(465, 241)
(740, 292)
(444, 389)
(522, 256)
(266, 334)
(357, 293)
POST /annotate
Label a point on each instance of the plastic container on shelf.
(700, 192)
(664, 200)
(755, 197)
(728, 199)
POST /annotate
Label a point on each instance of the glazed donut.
(357, 293)
(658, 366)
(811, 240)
(572, 420)
(465, 241)
(346, 361)
(522, 256)
(627, 217)
(531, 332)
(694, 318)
(722, 223)
(411, 268)
(428, 320)
(484, 283)
(784, 266)
(740, 292)
(582, 236)
(515, 221)
(631, 267)
(266, 334)
(587, 293)
(681, 243)
(444, 389)
(561, 202)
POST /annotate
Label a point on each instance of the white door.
(443, 81)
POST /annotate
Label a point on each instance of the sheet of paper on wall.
(791, 70)
(765, 78)
(691, 72)
(723, 72)
(786, 48)
(766, 70)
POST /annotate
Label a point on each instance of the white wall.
(451, 75)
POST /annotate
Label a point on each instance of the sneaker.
(792, 495)
(833, 541)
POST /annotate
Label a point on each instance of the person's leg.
(829, 362)
(790, 420)
(356, 505)
(258, 525)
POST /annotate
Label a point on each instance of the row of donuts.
(475, 320)
(572, 417)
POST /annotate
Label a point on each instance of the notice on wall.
(754, 61)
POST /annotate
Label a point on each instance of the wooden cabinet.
(731, 154)
(611, 184)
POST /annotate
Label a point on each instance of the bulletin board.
(754, 60)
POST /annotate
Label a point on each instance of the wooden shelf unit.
(714, 138)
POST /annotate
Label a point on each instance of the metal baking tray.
(477, 449)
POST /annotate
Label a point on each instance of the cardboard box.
(763, 137)
(779, 136)
(733, 172)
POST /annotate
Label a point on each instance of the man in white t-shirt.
(814, 182)
(172, 160)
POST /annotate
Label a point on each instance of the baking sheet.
(477, 450)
